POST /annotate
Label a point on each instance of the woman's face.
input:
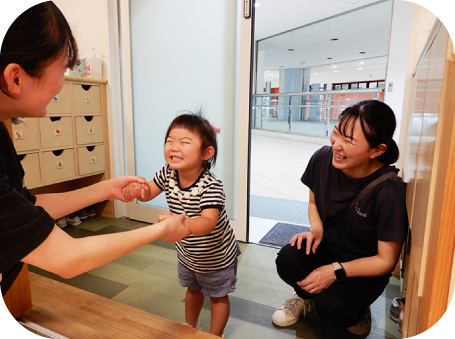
(40, 92)
(352, 153)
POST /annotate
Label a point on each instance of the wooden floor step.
(77, 314)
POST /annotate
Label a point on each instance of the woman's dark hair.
(38, 37)
(197, 124)
(378, 124)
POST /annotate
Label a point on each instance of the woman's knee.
(288, 257)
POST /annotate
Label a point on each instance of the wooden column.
(18, 299)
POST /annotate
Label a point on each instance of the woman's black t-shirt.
(23, 226)
(379, 216)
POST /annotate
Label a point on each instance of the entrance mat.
(281, 233)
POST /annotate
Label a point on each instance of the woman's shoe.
(364, 326)
(292, 309)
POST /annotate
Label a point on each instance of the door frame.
(242, 123)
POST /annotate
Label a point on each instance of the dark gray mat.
(281, 233)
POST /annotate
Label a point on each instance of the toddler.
(207, 259)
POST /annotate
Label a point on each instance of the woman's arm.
(68, 257)
(316, 233)
(61, 204)
(382, 263)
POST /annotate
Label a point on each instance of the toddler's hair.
(197, 124)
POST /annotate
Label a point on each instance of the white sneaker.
(290, 312)
(73, 220)
(61, 222)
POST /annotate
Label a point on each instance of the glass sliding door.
(186, 55)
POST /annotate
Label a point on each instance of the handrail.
(271, 109)
(343, 91)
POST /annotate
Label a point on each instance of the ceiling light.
(329, 58)
(360, 68)
(315, 73)
(334, 66)
(362, 62)
(303, 62)
(290, 49)
(362, 52)
(335, 39)
(336, 71)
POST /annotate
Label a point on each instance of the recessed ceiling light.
(334, 66)
(335, 39)
(270, 79)
(329, 58)
(315, 73)
(360, 68)
(362, 62)
(362, 52)
(336, 71)
(291, 49)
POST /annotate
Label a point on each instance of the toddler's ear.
(208, 153)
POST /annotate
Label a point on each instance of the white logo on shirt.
(357, 210)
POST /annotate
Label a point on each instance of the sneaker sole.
(285, 324)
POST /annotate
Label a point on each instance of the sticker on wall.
(19, 135)
(91, 130)
(57, 131)
(55, 99)
(93, 159)
(88, 99)
(59, 164)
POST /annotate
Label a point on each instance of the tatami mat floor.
(147, 279)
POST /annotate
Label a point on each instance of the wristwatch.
(340, 273)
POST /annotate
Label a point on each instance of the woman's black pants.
(342, 304)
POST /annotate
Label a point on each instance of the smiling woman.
(344, 262)
(36, 51)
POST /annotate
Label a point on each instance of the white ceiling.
(364, 30)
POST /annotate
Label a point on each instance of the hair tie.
(216, 128)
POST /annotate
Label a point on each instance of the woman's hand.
(318, 280)
(174, 229)
(135, 190)
(116, 187)
(164, 216)
(312, 237)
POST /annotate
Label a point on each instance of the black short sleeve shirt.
(380, 216)
(23, 226)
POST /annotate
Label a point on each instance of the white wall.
(89, 23)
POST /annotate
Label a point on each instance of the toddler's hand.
(135, 190)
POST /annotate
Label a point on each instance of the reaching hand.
(175, 230)
(135, 190)
(116, 186)
(164, 216)
(312, 237)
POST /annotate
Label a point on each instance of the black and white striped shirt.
(210, 252)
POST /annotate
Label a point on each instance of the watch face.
(340, 274)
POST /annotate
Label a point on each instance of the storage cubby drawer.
(30, 163)
(58, 165)
(26, 135)
(86, 99)
(61, 103)
(56, 132)
(89, 129)
(91, 159)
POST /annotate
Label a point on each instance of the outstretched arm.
(61, 204)
(68, 257)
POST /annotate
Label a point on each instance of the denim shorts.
(215, 284)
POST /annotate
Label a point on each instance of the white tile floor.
(277, 164)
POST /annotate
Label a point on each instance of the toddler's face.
(182, 150)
